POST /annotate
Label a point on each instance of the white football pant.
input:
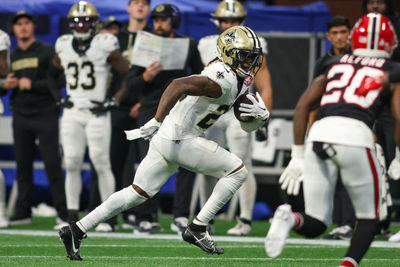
(227, 133)
(79, 129)
(360, 175)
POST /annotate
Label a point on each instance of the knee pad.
(73, 164)
(100, 162)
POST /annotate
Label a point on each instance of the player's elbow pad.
(252, 125)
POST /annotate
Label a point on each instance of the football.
(242, 99)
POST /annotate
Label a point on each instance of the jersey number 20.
(347, 85)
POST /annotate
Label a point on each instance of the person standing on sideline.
(86, 59)
(350, 95)
(35, 117)
(4, 67)
(226, 131)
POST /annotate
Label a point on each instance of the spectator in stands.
(4, 66)
(35, 118)
(343, 213)
(149, 83)
(226, 131)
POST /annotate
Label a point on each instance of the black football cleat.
(202, 240)
(72, 242)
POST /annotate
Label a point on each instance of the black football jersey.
(344, 95)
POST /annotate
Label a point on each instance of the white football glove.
(292, 176)
(148, 130)
(257, 109)
(394, 168)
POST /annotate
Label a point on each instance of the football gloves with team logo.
(394, 167)
(292, 176)
(102, 107)
(148, 130)
(257, 109)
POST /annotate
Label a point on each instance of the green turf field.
(36, 245)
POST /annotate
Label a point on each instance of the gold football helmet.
(240, 48)
(229, 9)
(83, 20)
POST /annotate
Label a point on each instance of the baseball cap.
(22, 14)
(163, 10)
(110, 20)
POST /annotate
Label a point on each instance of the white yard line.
(241, 239)
(197, 258)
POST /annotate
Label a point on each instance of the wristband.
(297, 151)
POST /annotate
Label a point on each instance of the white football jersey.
(193, 115)
(86, 75)
(208, 48)
(5, 44)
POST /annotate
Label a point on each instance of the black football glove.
(102, 107)
(262, 133)
(65, 102)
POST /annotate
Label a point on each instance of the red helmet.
(373, 35)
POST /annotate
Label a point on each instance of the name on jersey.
(365, 61)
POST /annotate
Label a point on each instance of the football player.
(86, 58)
(226, 131)
(187, 108)
(350, 96)
(4, 63)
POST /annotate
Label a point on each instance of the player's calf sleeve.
(362, 238)
(223, 191)
(106, 177)
(309, 226)
(115, 204)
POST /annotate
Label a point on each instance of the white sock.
(223, 191)
(247, 195)
(73, 188)
(115, 204)
(207, 184)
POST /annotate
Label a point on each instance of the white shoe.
(395, 237)
(278, 232)
(103, 227)
(129, 223)
(4, 222)
(179, 225)
(144, 228)
(240, 228)
(59, 224)
(44, 210)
